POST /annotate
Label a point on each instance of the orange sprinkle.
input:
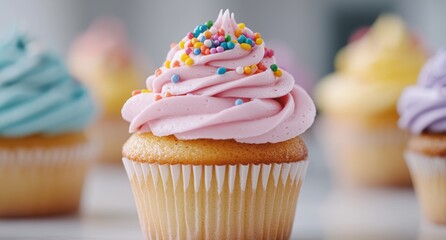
(158, 72)
(208, 34)
(221, 32)
(238, 32)
(260, 66)
(168, 94)
(247, 70)
(203, 49)
(190, 44)
(256, 35)
(158, 97)
(136, 92)
(207, 52)
(194, 40)
(176, 64)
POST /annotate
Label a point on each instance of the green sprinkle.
(273, 67)
(209, 23)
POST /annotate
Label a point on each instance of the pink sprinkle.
(216, 43)
(221, 39)
(213, 50)
(220, 49)
(214, 37)
(190, 35)
(188, 50)
(271, 53)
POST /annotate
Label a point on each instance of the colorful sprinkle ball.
(221, 70)
(206, 39)
(238, 102)
(175, 78)
(276, 70)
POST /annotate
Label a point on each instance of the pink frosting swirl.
(202, 105)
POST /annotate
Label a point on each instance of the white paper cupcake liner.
(216, 202)
(426, 165)
(46, 156)
(364, 155)
(42, 181)
(429, 176)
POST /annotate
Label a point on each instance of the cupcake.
(215, 151)
(44, 153)
(101, 58)
(423, 113)
(358, 101)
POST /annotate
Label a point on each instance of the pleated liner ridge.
(216, 202)
(42, 181)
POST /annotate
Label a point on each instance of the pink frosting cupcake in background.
(102, 59)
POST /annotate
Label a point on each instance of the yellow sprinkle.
(247, 70)
(194, 40)
(278, 73)
(189, 62)
(184, 57)
(198, 45)
(181, 45)
(167, 64)
(146, 91)
(259, 41)
(245, 46)
(241, 26)
(254, 68)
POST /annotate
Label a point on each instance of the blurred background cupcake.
(358, 103)
(44, 152)
(423, 113)
(102, 59)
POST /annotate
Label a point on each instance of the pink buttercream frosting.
(201, 105)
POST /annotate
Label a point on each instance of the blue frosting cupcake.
(37, 94)
(44, 152)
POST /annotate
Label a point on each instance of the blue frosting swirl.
(37, 94)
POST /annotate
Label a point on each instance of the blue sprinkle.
(230, 45)
(238, 102)
(196, 33)
(202, 28)
(201, 38)
(221, 70)
(224, 45)
(249, 41)
(175, 78)
(197, 51)
(241, 39)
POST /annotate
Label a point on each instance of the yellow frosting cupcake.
(359, 103)
(102, 60)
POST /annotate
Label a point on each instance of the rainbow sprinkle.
(206, 39)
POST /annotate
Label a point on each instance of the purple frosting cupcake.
(422, 110)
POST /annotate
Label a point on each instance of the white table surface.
(324, 212)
